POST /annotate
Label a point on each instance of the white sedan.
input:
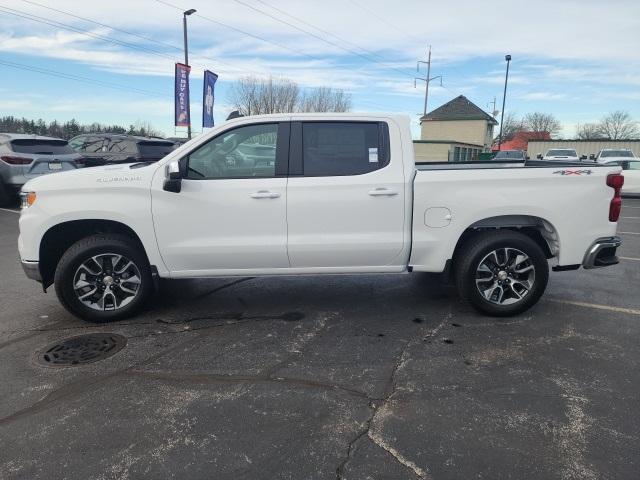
(631, 173)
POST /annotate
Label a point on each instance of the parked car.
(607, 155)
(631, 173)
(511, 155)
(564, 154)
(321, 194)
(23, 157)
(106, 148)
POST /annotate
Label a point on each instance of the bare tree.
(542, 122)
(618, 125)
(588, 131)
(255, 96)
(325, 99)
(510, 126)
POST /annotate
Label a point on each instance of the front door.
(231, 212)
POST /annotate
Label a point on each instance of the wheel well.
(536, 228)
(59, 238)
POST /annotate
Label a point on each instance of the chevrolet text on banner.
(208, 98)
(182, 110)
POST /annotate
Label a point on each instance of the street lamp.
(185, 14)
(504, 97)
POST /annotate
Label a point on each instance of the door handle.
(379, 192)
(264, 194)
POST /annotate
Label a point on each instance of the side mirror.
(173, 180)
(592, 156)
(539, 156)
(583, 157)
(527, 157)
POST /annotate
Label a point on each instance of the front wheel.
(501, 273)
(103, 278)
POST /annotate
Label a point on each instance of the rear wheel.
(103, 278)
(501, 273)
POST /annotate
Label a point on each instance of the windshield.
(509, 155)
(41, 147)
(616, 153)
(155, 149)
(562, 153)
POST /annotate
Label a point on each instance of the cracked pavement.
(342, 377)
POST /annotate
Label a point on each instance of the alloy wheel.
(107, 282)
(505, 276)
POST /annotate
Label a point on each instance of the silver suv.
(23, 157)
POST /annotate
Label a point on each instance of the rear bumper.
(602, 253)
(32, 270)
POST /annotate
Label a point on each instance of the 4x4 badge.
(573, 172)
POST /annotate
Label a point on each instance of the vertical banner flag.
(207, 98)
(182, 111)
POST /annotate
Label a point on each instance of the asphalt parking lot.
(336, 377)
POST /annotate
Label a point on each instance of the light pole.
(185, 14)
(504, 98)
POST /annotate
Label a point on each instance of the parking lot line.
(630, 258)
(631, 311)
(12, 211)
(629, 233)
(632, 218)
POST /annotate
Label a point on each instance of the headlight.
(27, 199)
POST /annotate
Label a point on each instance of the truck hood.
(94, 177)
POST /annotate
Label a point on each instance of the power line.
(56, 24)
(304, 22)
(175, 47)
(52, 23)
(235, 29)
(353, 52)
(78, 78)
(386, 22)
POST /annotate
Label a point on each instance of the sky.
(113, 62)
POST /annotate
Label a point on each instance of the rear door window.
(343, 148)
(41, 147)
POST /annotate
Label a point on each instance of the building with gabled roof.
(459, 130)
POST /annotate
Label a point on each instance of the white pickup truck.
(301, 194)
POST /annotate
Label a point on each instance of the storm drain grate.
(82, 349)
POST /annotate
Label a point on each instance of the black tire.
(478, 250)
(5, 197)
(96, 245)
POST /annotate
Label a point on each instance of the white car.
(631, 174)
(607, 155)
(319, 194)
(564, 154)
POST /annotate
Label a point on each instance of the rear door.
(345, 197)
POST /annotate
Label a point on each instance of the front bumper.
(32, 270)
(602, 253)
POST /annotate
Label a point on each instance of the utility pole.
(426, 80)
(494, 112)
(504, 98)
(186, 55)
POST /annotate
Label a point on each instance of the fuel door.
(437, 217)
